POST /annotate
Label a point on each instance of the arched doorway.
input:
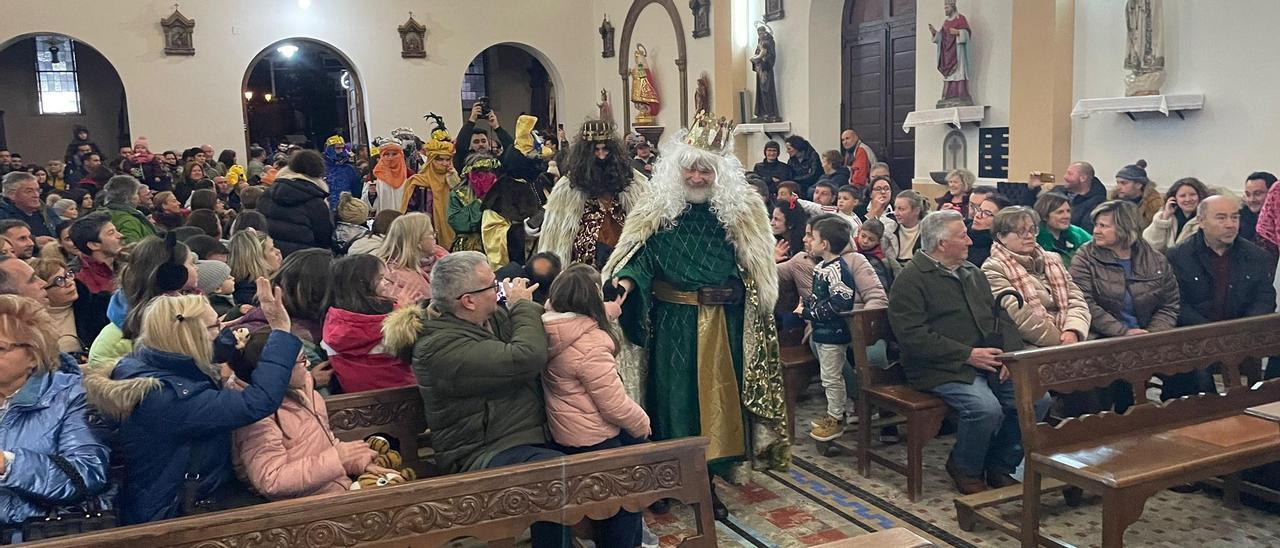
(516, 80)
(878, 54)
(301, 91)
(50, 84)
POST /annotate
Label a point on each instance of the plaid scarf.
(1054, 273)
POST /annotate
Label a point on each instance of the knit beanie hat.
(210, 275)
(1136, 172)
(351, 210)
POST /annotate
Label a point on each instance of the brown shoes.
(967, 485)
(997, 480)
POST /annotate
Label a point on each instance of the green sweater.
(131, 223)
(1072, 239)
(939, 317)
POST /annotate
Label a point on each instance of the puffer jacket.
(407, 287)
(291, 453)
(586, 402)
(48, 416)
(169, 410)
(297, 212)
(1163, 234)
(354, 344)
(479, 384)
(1038, 326)
(132, 224)
(1102, 281)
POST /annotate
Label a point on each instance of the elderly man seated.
(942, 311)
(479, 366)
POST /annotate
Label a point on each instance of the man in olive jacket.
(941, 311)
(479, 368)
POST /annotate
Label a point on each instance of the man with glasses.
(479, 363)
(18, 278)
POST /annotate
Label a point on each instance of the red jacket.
(354, 344)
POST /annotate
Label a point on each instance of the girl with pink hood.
(587, 407)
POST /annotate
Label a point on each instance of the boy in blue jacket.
(833, 294)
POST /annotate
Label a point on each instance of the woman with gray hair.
(1054, 311)
(959, 183)
(120, 199)
(65, 209)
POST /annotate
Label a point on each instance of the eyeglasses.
(494, 287)
(982, 213)
(66, 280)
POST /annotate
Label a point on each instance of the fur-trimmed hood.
(403, 327)
(115, 398)
(564, 213)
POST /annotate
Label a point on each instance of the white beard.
(697, 195)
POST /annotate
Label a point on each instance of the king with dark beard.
(588, 206)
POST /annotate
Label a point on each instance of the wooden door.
(878, 80)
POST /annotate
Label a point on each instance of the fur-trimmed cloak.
(563, 216)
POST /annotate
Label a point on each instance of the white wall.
(989, 53)
(1225, 50)
(162, 89)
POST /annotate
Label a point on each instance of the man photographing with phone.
(481, 141)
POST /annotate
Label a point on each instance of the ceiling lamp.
(287, 50)
(248, 95)
(267, 97)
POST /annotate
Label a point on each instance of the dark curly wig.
(597, 178)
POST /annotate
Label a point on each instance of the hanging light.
(267, 97)
(287, 50)
(53, 54)
(248, 95)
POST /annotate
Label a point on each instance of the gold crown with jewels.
(710, 132)
(596, 131)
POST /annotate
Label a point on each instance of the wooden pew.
(491, 505)
(799, 368)
(1128, 458)
(887, 390)
(394, 413)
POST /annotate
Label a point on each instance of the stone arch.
(360, 110)
(553, 76)
(624, 58)
(47, 135)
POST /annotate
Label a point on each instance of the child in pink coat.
(587, 407)
(293, 453)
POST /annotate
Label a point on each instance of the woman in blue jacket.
(42, 394)
(175, 419)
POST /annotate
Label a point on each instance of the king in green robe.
(702, 289)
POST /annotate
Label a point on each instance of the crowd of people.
(182, 315)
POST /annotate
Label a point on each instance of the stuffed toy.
(387, 458)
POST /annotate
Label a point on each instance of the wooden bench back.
(395, 413)
(869, 326)
(490, 505)
(1098, 364)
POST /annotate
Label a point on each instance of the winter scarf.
(876, 251)
(1020, 279)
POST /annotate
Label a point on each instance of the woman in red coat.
(358, 304)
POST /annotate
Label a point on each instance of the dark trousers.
(620, 531)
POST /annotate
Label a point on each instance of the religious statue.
(766, 108)
(606, 38)
(953, 58)
(644, 91)
(701, 17)
(1144, 54)
(606, 108)
(702, 96)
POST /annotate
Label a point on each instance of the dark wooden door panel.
(878, 81)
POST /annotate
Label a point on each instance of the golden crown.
(709, 132)
(596, 131)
